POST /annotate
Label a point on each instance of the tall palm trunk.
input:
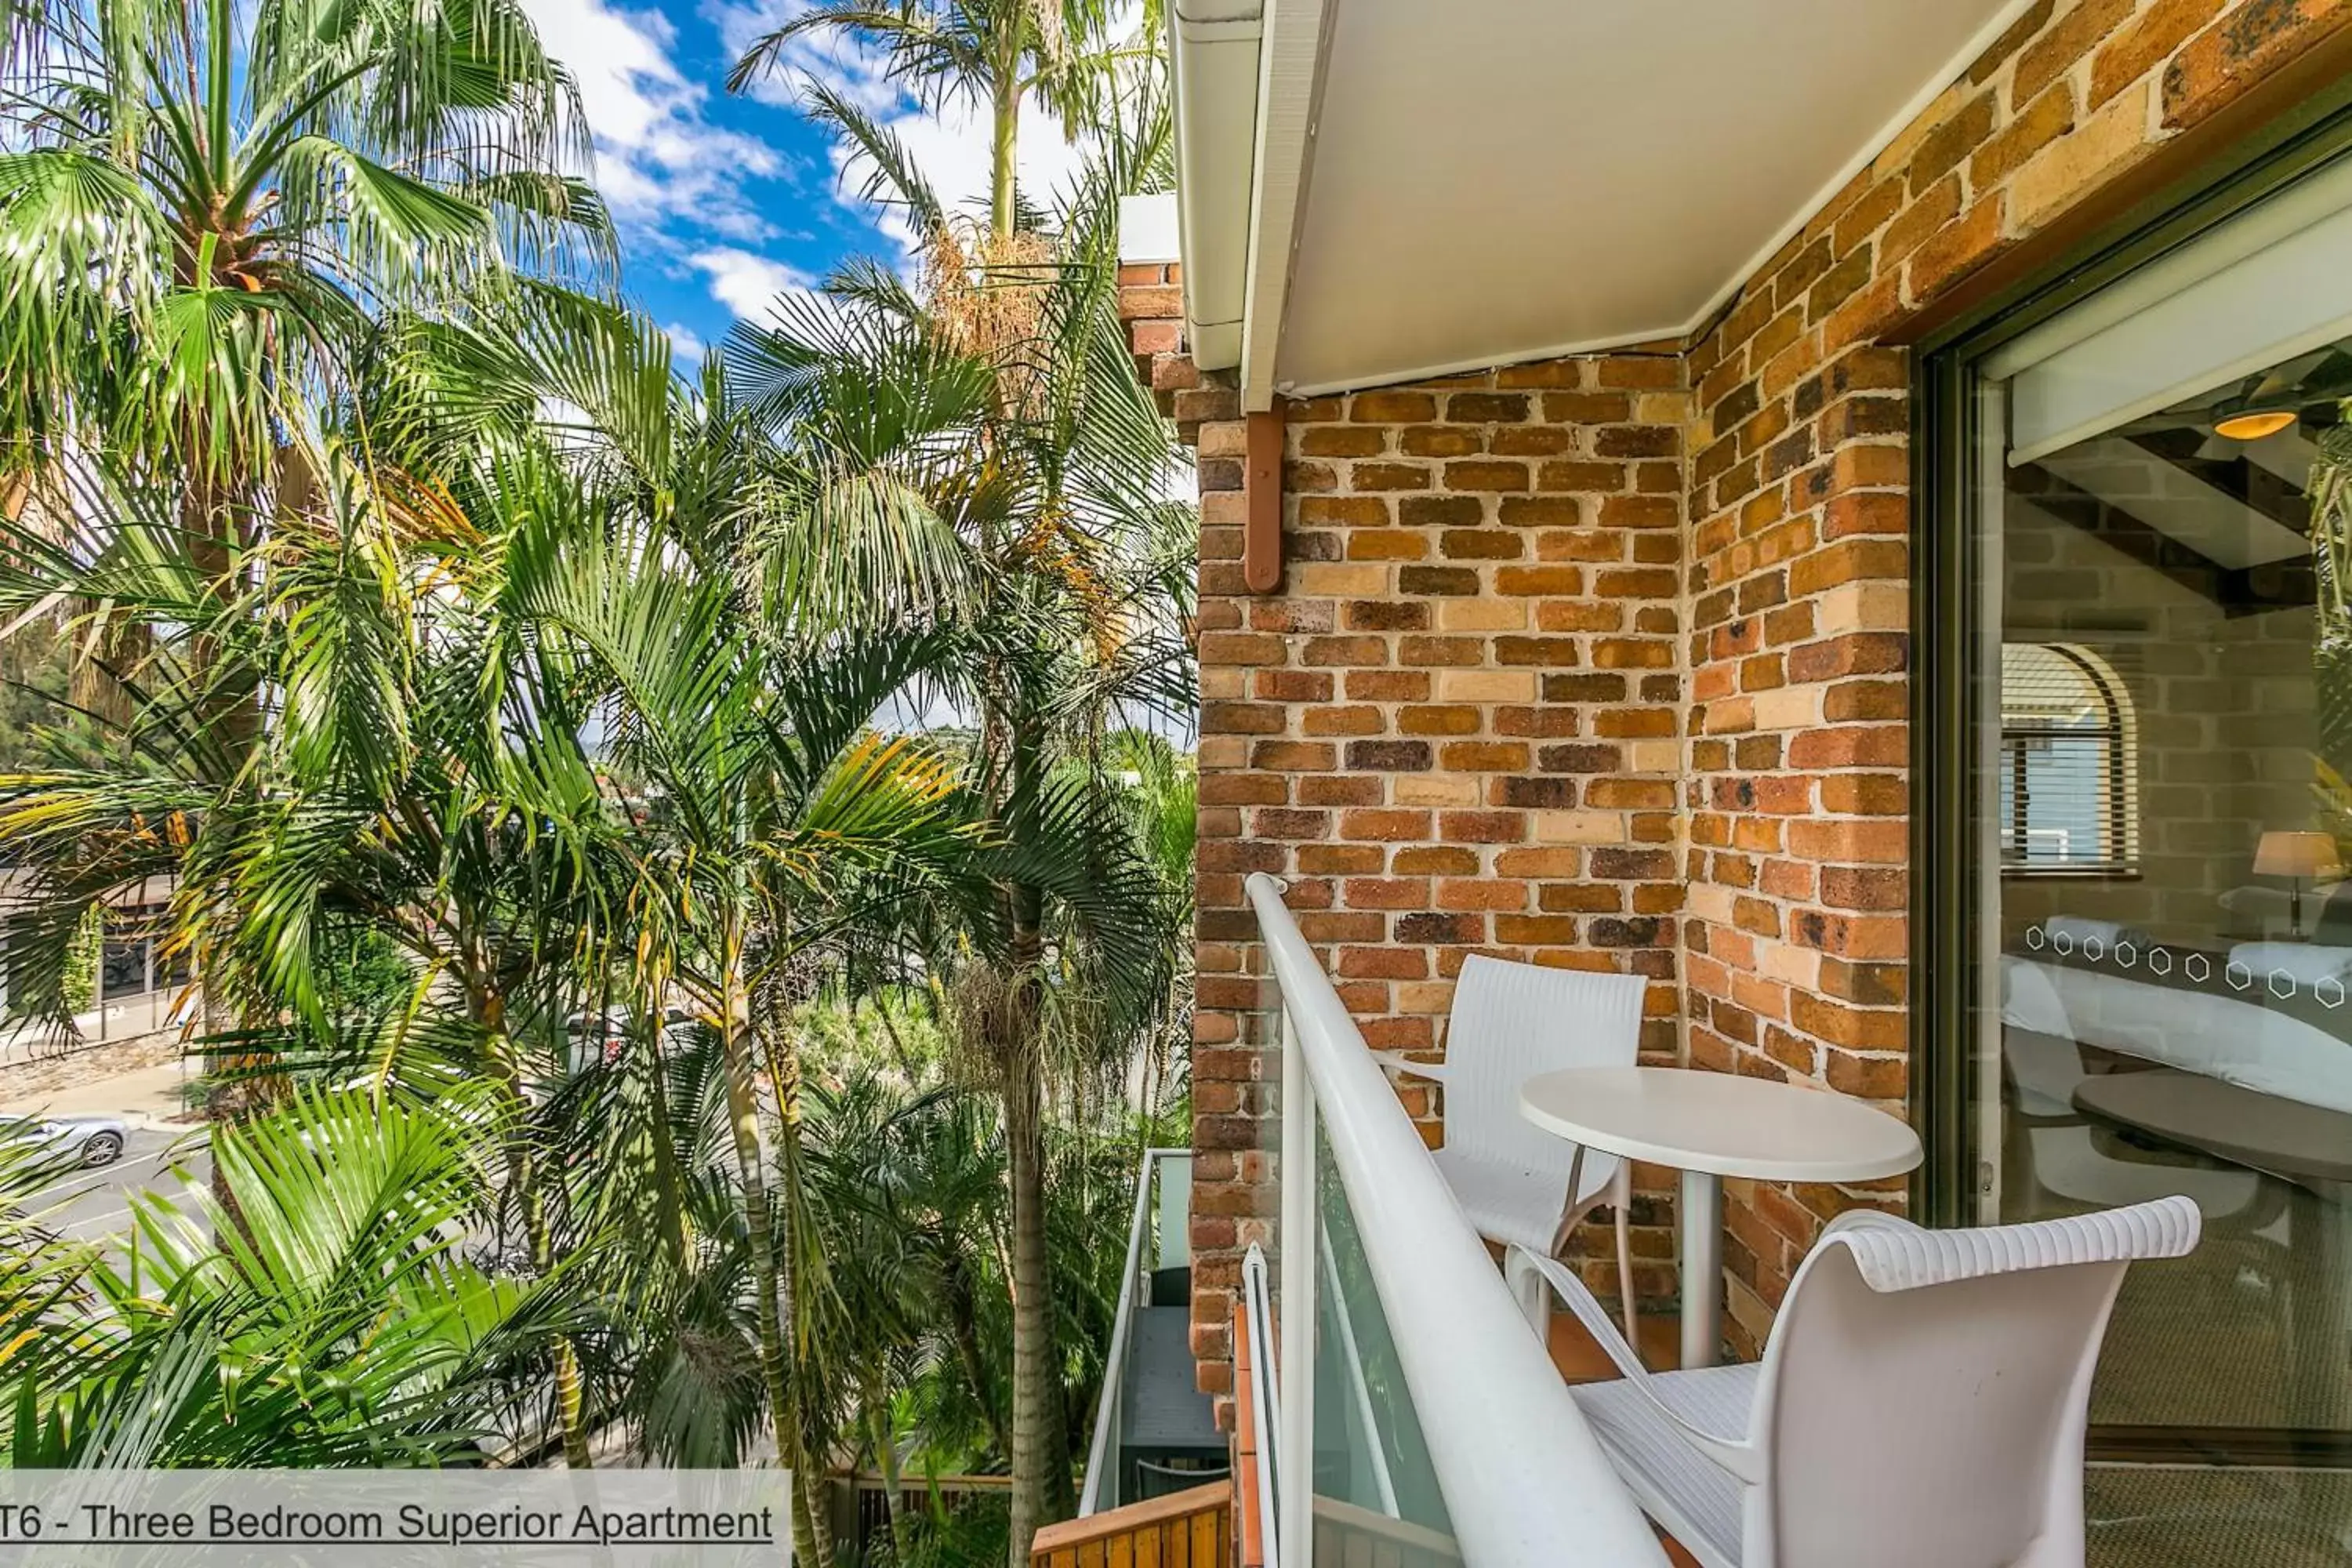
(1020, 1055)
(744, 1119)
(489, 1012)
(771, 1027)
(1034, 1404)
(231, 719)
(1003, 155)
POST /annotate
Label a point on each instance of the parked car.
(93, 1140)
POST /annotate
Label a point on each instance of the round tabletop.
(1720, 1123)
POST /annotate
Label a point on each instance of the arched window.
(2067, 771)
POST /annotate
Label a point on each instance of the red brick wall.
(1455, 729)
(1798, 513)
(1604, 661)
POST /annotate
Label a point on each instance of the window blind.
(2065, 784)
(2270, 285)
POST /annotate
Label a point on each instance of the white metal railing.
(1266, 1399)
(1101, 1490)
(1525, 1482)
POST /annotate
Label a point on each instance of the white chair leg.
(1622, 1197)
(1529, 1288)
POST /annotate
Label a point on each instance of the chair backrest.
(1924, 1392)
(1511, 1021)
(2046, 1070)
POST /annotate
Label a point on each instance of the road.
(97, 1203)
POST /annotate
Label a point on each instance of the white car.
(93, 1140)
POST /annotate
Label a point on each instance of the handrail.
(1107, 1404)
(1524, 1479)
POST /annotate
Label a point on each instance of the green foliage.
(35, 676)
(976, 1529)
(333, 1321)
(887, 1028)
(361, 972)
(203, 204)
(639, 1032)
(83, 955)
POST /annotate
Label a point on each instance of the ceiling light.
(2254, 423)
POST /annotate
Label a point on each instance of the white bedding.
(2239, 1042)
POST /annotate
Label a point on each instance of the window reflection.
(2169, 815)
(2067, 794)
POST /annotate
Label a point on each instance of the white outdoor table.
(1710, 1125)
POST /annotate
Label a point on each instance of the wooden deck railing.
(1191, 1529)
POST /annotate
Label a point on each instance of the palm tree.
(339, 1325)
(423, 788)
(556, 713)
(774, 811)
(205, 208)
(204, 204)
(998, 54)
(1013, 493)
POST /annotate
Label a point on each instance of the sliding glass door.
(2158, 672)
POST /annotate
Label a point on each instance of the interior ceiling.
(2237, 504)
(1496, 180)
(2178, 501)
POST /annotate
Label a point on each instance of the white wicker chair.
(1519, 1186)
(1921, 1400)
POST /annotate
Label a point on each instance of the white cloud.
(854, 72)
(657, 157)
(748, 284)
(685, 345)
(950, 147)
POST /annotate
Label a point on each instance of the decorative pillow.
(2304, 962)
(2077, 930)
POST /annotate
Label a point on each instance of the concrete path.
(147, 1096)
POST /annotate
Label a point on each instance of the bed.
(2270, 1016)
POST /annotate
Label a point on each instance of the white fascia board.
(1213, 48)
(1290, 77)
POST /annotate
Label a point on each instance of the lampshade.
(2296, 855)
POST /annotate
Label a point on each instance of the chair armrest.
(1740, 1459)
(1398, 1062)
(1578, 1299)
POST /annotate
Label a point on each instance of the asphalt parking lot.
(96, 1204)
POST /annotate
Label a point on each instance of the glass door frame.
(1948, 618)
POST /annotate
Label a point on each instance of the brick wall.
(1798, 513)
(1604, 661)
(1455, 729)
(2219, 666)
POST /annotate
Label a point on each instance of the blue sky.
(724, 200)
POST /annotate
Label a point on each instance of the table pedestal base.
(1699, 1217)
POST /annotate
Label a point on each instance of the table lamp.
(2301, 856)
